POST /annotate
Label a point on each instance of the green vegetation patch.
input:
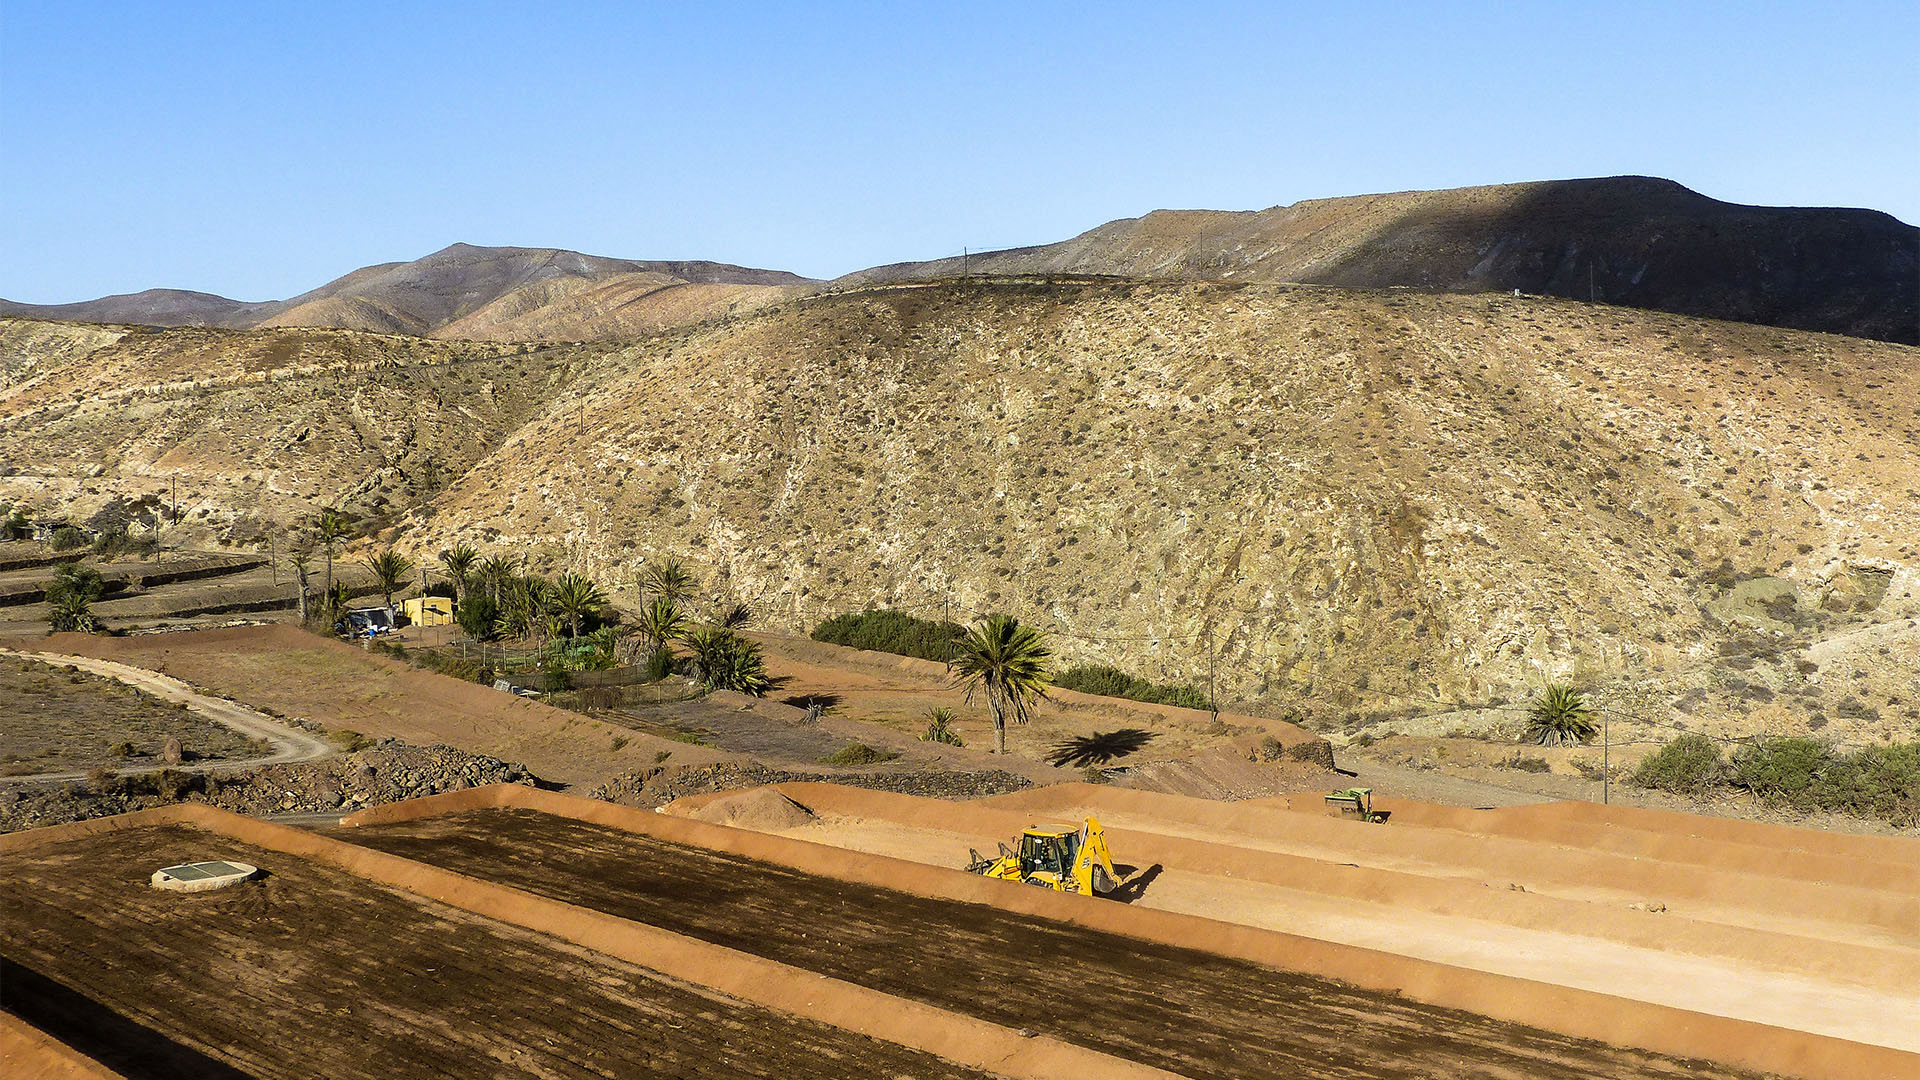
(858, 753)
(891, 631)
(1796, 773)
(1112, 682)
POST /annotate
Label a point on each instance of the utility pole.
(966, 263)
(1606, 758)
(1213, 701)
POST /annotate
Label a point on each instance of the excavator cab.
(1064, 858)
(1047, 853)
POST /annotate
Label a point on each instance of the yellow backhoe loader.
(1064, 858)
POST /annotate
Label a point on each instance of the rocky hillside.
(1632, 241)
(480, 293)
(1367, 505)
(252, 430)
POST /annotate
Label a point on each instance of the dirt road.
(300, 674)
(289, 744)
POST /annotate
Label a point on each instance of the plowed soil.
(311, 972)
(1194, 1013)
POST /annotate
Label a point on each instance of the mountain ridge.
(1632, 241)
(426, 296)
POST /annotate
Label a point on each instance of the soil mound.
(761, 809)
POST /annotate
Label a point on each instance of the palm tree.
(330, 527)
(662, 622)
(335, 601)
(73, 612)
(940, 728)
(729, 662)
(524, 607)
(574, 598)
(302, 561)
(1560, 717)
(669, 579)
(1007, 663)
(70, 597)
(390, 568)
(495, 572)
(459, 562)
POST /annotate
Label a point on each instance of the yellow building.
(428, 610)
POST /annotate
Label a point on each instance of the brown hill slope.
(1365, 504)
(491, 293)
(256, 428)
(1632, 241)
(456, 283)
(622, 306)
(1365, 501)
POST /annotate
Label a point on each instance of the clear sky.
(260, 149)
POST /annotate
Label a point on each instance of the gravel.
(659, 786)
(382, 774)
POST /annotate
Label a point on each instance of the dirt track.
(301, 674)
(289, 744)
(1191, 1012)
(313, 972)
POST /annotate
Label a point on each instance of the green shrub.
(940, 728)
(476, 615)
(349, 741)
(66, 538)
(658, 664)
(1783, 771)
(1689, 765)
(858, 753)
(891, 631)
(1110, 681)
(1879, 781)
(1807, 775)
(173, 785)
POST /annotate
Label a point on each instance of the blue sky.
(258, 150)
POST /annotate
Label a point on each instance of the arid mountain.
(1368, 505)
(529, 294)
(1632, 241)
(461, 284)
(154, 307)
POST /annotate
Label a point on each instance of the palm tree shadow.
(1098, 748)
(801, 701)
(1133, 882)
